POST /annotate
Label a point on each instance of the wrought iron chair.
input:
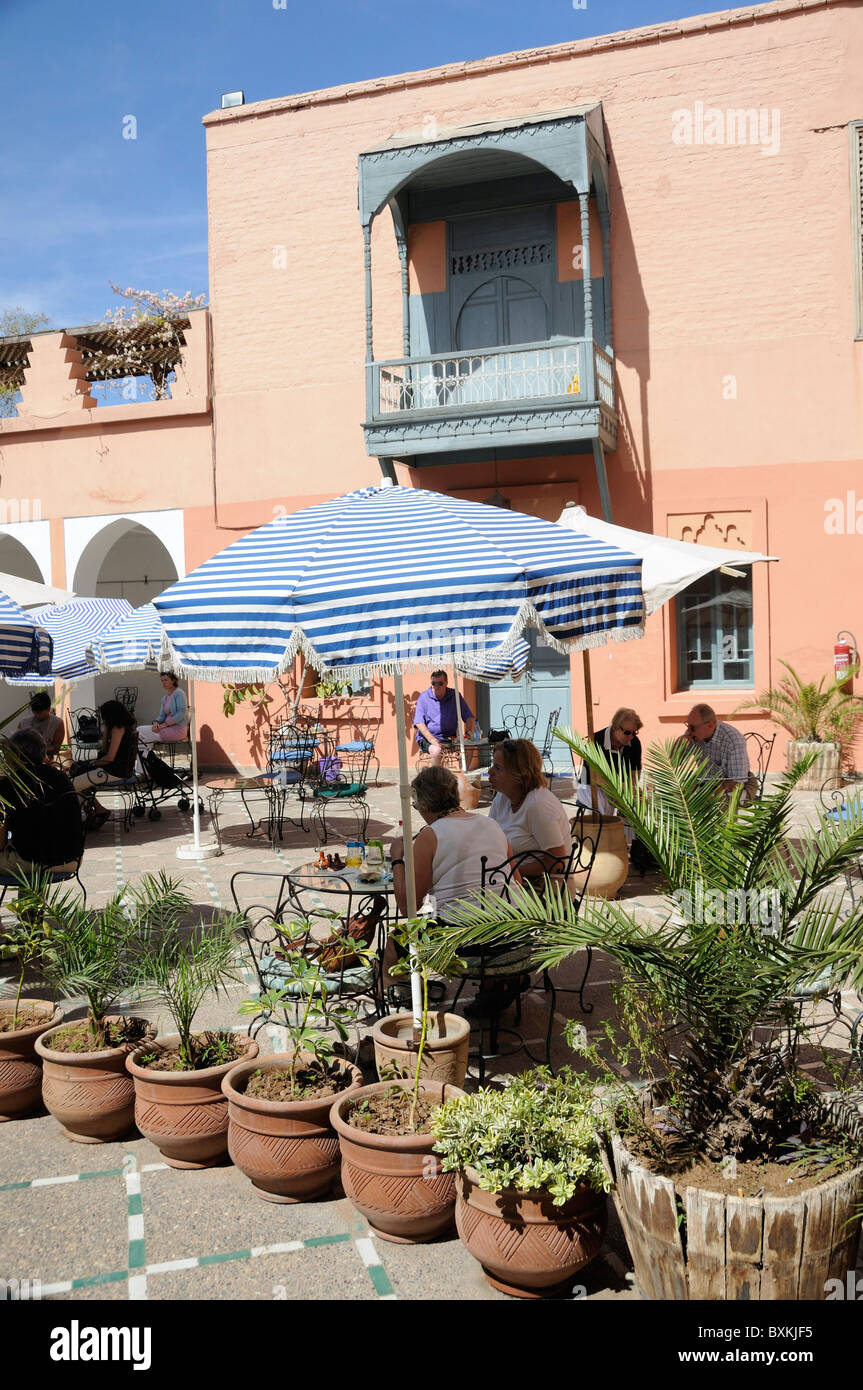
(490, 965)
(520, 721)
(762, 748)
(366, 725)
(86, 733)
(337, 788)
(291, 749)
(128, 696)
(53, 876)
(547, 742)
(290, 901)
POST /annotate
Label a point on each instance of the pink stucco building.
(626, 272)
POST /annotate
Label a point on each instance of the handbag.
(497, 735)
(337, 953)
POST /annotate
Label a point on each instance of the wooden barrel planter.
(728, 1247)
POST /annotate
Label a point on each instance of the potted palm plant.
(24, 940)
(85, 1084)
(279, 1131)
(735, 1175)
(531, 1185)
(821, 720)
(389, 1170)
(178, 1077)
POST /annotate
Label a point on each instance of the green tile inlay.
(102, 1173)
(137, 1255)
(135, 1205)
(229, 1255)
(326, 1240)
(117, 1277)
(14, 1186)
(380, 1279)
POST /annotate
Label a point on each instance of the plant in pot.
(735, 1176)
(442, 1046)
(531, 1183)
(279, 1130)
(25, 940)
(389, 1170)
(179, 1103)
(85, 1083)
(821, 719)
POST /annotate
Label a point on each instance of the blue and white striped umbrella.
(388, 579)
(73, 627)
(132, 644)
(23, 645)
(490, 668)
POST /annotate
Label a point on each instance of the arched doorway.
(501, 311)
(126, 559)
(16, 559)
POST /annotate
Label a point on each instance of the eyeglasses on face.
(438, 682)
(628, 733)
(693, 727)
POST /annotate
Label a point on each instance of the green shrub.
(537, 1133)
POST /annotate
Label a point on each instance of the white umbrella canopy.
(28, 594)
(669, 566)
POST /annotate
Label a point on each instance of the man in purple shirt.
(436, 720)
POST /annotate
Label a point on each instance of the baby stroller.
(159, 783)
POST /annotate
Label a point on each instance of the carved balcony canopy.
(567, 144)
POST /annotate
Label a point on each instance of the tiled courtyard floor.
(113, 1221)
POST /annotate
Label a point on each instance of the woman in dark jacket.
(620, 742)
(116, 760)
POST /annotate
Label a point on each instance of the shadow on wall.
(630, 319)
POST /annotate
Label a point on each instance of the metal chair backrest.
(520, 721)
(762, 747)
(545, 751)
(128, 696)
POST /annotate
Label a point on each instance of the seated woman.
(172, 724)
(621, 744)
(116, 761)
(448, 856)
(41, 813)
(449, 851)
(529, 814)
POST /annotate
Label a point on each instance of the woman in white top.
(448, 853)
(529, 814)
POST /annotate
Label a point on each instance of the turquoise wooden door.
(545, 684)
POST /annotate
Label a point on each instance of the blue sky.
(82, 206)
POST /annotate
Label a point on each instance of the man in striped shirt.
(722, 748)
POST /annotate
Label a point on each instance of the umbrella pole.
(588, 691)
(458, 717)
(195, 850)
(300, 684)
(408, 851)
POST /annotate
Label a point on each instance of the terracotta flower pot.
(287, 1148)
(184, 1112)
(90, 1093)
(526, 1245)
(395, 1181)
(20, 1068)
(444, 1053)
(611, 864)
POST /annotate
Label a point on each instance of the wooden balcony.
(529, 394)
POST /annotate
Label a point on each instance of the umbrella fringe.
(526, 617)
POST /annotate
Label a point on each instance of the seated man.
(436, 720)
(43, 818)
(723, 750)
(51, 730)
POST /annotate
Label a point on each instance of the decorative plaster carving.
(725, 530)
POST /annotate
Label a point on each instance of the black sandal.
(97, 820)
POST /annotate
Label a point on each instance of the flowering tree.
(147, 336)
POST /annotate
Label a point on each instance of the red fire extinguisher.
(844, 657)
